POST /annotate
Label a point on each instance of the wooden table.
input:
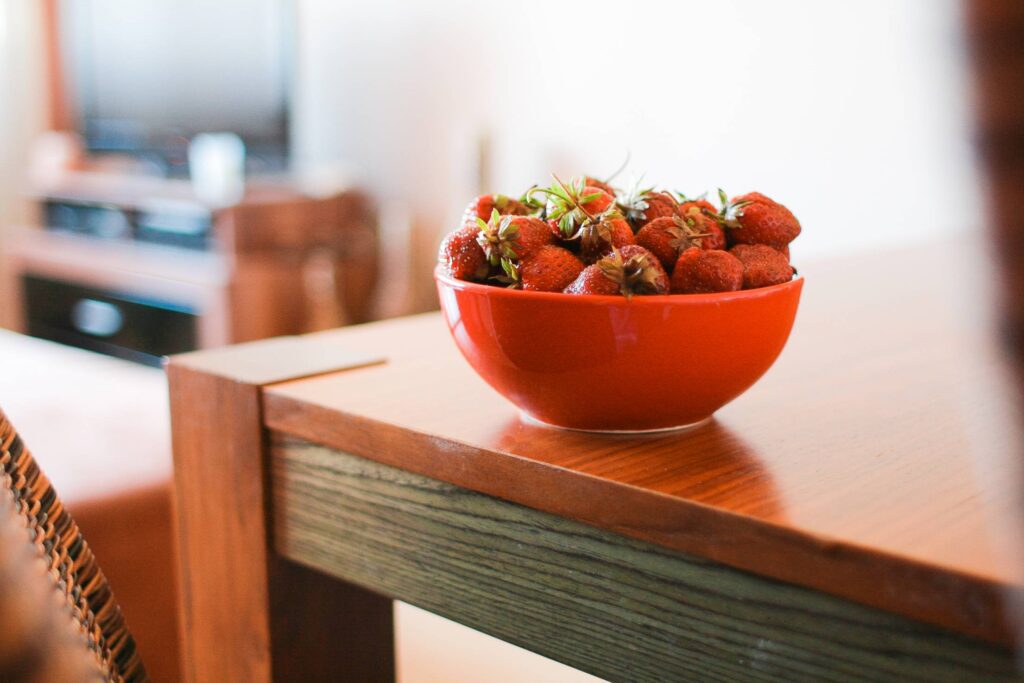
(854, 515)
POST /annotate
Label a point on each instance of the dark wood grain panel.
(618, 608)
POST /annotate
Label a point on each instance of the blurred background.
(840, 110)
(178, 174)
(853, 114)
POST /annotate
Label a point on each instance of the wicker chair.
(73, 574)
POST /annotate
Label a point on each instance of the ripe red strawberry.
(705, 224)
(599, 199)
(753, 218)
(627, 271)
(686, 204)
(715, 239)
(705, 214)
(512, 237)
(593, 281)
(658, 204)
(555, 229)
(640, 207)
(700, 271)
(570, 206)
(550, 269)
(669, 236)
(483, 206)
(599, 237)
(462, 256)
(599, 184)
(762, 265)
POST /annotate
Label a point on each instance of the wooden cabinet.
(147, 252)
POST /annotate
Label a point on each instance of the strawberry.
(512, 237)
(549, 269)
(703, 271)
(705, 224)
(704, 213)
(483, 206)
(566, 207)
(462, 256)
(626, 271)
(685, 204)
(753, 218)
(762, 265)
(599, 184)
(669, 236)
(593, 281)
(598, 237)
(641, 206)
(600, 200)
(554, 228)
(658, 204)
(714, 239)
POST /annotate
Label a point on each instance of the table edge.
(970, 604)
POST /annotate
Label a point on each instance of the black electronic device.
(143, 78)
(175, 223)
(137, 329)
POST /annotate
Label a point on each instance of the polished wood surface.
(231, 608)
(870, 463)
(599, 601)
(247, 614)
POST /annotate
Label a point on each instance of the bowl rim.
(648, 299)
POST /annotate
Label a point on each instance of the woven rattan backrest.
(72, 566)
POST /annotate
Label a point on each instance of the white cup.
(216, 163)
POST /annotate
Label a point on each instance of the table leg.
(248, 615)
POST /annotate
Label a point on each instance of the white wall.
(22, 98)
(22, 111)
(852, 113)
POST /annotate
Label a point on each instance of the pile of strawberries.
(586, 237)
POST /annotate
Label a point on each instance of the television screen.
(144, 76)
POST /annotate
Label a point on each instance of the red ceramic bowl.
(607, 363)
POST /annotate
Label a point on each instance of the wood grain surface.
(618, 608)
(869, 463)
(247, 614)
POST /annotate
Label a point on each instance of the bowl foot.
(658, 430)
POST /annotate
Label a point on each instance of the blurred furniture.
(72, 569)
(99, 427)
(995, 31)
(995, 37)
(829, 524)
(41, 639)
(139, 268)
